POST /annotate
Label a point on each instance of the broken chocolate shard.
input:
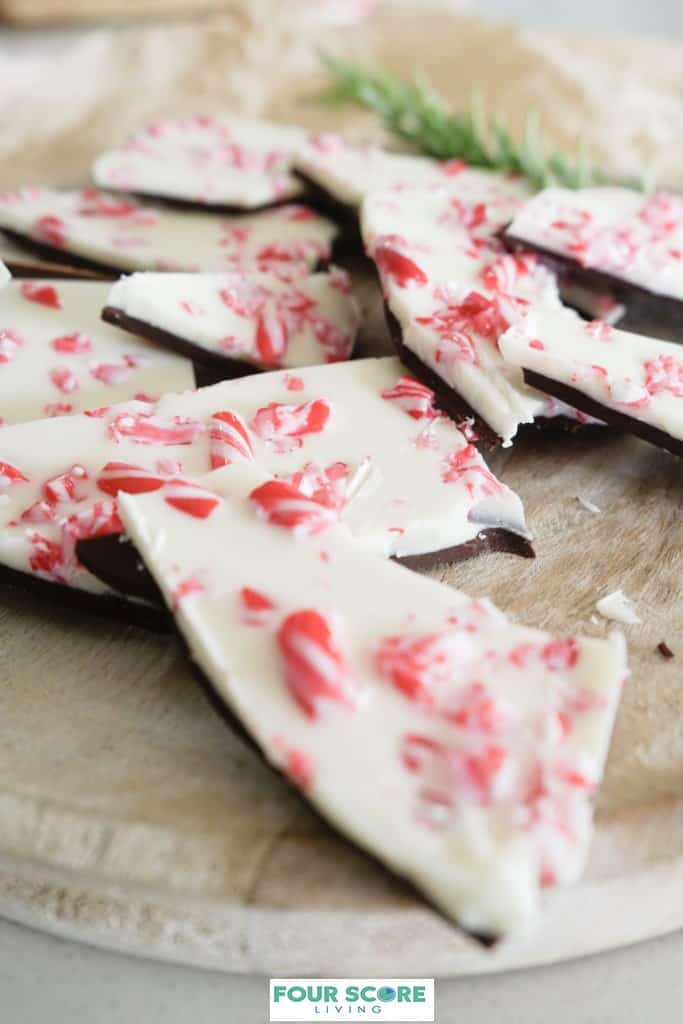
(665, 650)
(612, 417)
(72, 264)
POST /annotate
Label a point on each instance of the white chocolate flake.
(619, 608)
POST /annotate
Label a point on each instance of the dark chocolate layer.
(147, 616)
(220, 367)
(62, 257)
(642, 304)
(618, 419)
(114, 560)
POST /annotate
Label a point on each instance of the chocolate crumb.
(665, 650)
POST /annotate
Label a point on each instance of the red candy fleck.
(325, 484)
(400, 268)
(191, 499)
(298, 766)
(283, 426)
(41, 293)
(537, 344)
(664, 373)
(186, 588)
(413, 397)
(292, 382)
(476, 710)
(122, 476)
(72, 344)
(9, 475)
(419, 666)
(45, 557)
(228, 439)
(115, 373)
(143, 428)
(64, 380)
(52, 230)
(69, 486)
(316, 668)
(256, 608)
(282, 504)
(10, 341)
(560, 654)
(271, 338)
(465, 466)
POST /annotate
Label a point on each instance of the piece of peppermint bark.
(227, 162)
(115, 233)
(630, 380)
(477, 744)
(627, 242)
(451, 291)
(243, 320)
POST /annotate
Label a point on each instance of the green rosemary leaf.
(414, 113)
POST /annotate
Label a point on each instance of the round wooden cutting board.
(132, 817)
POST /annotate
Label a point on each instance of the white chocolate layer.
(118, 232)
(247, 315)
(57, 357)
(632, 374)
(403, 485)
(458, 748)
(454, 291)
(631, 235)
(216, 161)
(349, 172)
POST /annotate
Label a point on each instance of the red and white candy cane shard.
(41, 293)
(282, 504)
(122, 476)
(191, 499)
(316, 668)
(399, 267)
(272, 336)
(9, 475)
(465, 466)
(115, 373)
(186, 588)
(39, 512)
(327, 485)
(143, 428)
(72, 344)
(413, 397)
(256, 608)
(229, 439)
(283, 426)
(46, 557)
(69, 486)
(421, 667)
(10, 341)
(52, 229)
(64, 379)
(98, 520)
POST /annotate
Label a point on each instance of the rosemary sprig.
(414, 113)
